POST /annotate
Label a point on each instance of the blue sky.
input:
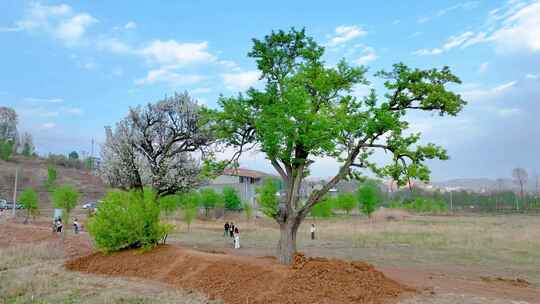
(70, 68)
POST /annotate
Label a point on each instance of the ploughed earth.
(242, 279)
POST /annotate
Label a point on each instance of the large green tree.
(307, 111)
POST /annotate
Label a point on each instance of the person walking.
(59, 225)
(231, 230)
(312, 230)
(236, 238)
(76, 226)
(226, 229)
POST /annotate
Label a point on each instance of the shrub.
(65, 197)
(346, 202)
(267, 199)
(368, 198)
(51, 177)
(190, 203)
(6, 149)
(127, 220)
(29, 201)
(210, 199)
(323, 209)
(169, 204)
(231, 198)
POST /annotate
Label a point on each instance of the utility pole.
(15, 191)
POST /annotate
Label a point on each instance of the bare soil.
(249, 279)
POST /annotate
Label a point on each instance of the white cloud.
(73, 29)
(463, 6)
(171, 52)
(240, 81)
(57, 20)
(368, 55)
(532, 76)
(476, 94)
(48, 125)
(451, 43)
(345, 33)
(520, 30)
(164, 75)
(130, 25)
(483, 67)
(47, 100)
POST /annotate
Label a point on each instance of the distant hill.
(33, 174)
(481, 184)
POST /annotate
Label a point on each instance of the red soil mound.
(238, 279)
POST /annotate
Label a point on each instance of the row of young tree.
(305, 111)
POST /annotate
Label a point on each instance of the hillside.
(33, 174)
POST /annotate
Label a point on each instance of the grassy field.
(506, 246)
(464, 248)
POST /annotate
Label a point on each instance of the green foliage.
(324, 208)
(28, 150)
(190, 203)
(267, 198)
(65, 197)
(127, 220)
(6, 149)
(346, 202)
(426, 205)
(73, 155)
(29, 200)
(368, 197)
(52, 175)
(248, 210)
(231, 198)
(307, 110)
(170, 203)
(210, 199)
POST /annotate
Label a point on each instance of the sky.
(69, 68)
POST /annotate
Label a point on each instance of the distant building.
(245, 181)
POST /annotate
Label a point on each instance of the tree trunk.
(287, 241)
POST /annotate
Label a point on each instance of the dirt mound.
(237, 279)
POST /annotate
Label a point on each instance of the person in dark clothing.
(59, 225)
(312, 230)
(231, 230)
(226, 229)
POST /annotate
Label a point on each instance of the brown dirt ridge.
(237, 279)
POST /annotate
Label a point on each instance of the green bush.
(65, 197)
(421, 205)
(6, 149)
(210, 199)
(267, 198)
(324, 208)
(231, 198)
(127, 220)
(346, 202)
(368, 198)
(169, 204)
(29, 201)
(190, 203)
(51, 177)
